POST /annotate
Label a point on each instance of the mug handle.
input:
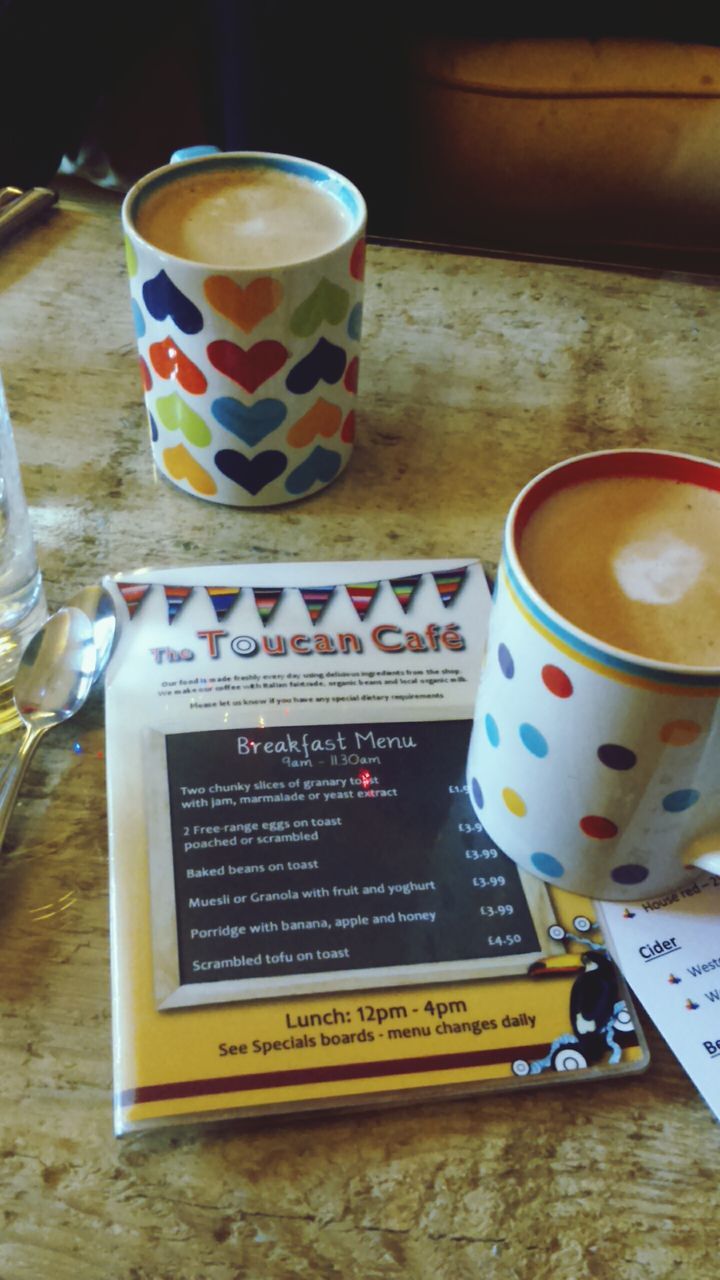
(704, 853)
(191, 153)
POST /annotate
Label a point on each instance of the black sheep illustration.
(593, 999)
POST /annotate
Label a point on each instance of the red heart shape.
(248, 368)
(145, 374)
(351, 375)
(357, 261)
(347, 435)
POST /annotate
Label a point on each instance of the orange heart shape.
(181, 465)
(169, 361)
(246, 307)
(322, 420)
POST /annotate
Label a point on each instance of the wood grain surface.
(476, 373)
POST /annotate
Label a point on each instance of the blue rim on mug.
(210, 159)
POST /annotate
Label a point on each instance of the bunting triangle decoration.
(404, 589)
(133, 593)
(223, 599)
(448, 584)
(266, 599)
(316, 599)
(176, 597)
(362, 595)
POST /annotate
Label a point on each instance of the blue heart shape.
(250, 423)
(322, 465)
(138, 319)
(325, 362)
(154, 434)
(252, 474)
(354, 327)
(163, 298)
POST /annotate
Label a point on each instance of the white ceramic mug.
(250, 375)
(594, 769)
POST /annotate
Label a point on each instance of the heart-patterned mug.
(246, 280)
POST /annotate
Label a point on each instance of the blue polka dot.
(533, 740)
(492, 731)
(547, 865)
(630, 873)
(677, 801)
(153, 428)
(477, 795)
(507, 666)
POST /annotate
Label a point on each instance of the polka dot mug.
(593, 768)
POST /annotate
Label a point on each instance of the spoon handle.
(14, 773)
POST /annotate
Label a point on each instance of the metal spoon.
(98, 605)
(53, 680)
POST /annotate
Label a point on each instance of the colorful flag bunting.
(176, 597)
(133, 593)
(448, 584)
(223, 599)
(404, 589)
(266, 599)
(362, 595)
(315, 599)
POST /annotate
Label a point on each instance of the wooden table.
(477, 372)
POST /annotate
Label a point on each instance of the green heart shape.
(176, 415)
(130, 258)
(326, 302)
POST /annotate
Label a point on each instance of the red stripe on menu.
(319, 1075)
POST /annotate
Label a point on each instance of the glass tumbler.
(22, 599)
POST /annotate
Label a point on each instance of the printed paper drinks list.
(334, 847)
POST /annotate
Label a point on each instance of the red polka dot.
(145, 374)
(598, 828)
(556, 681)
(680, 733)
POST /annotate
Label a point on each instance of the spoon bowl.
(98, 605)
(54, 678)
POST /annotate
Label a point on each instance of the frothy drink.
(245, 217)
(633, 561)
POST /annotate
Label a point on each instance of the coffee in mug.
(594, 760)
(634, 561)
(243, 218)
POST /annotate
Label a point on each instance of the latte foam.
(635, 562)
(244, 218)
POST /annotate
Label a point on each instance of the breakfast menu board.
(349, 850)
(305, 909)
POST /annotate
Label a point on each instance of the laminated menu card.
(305, 910)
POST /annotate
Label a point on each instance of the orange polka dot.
(680, 733)
(556, 681)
